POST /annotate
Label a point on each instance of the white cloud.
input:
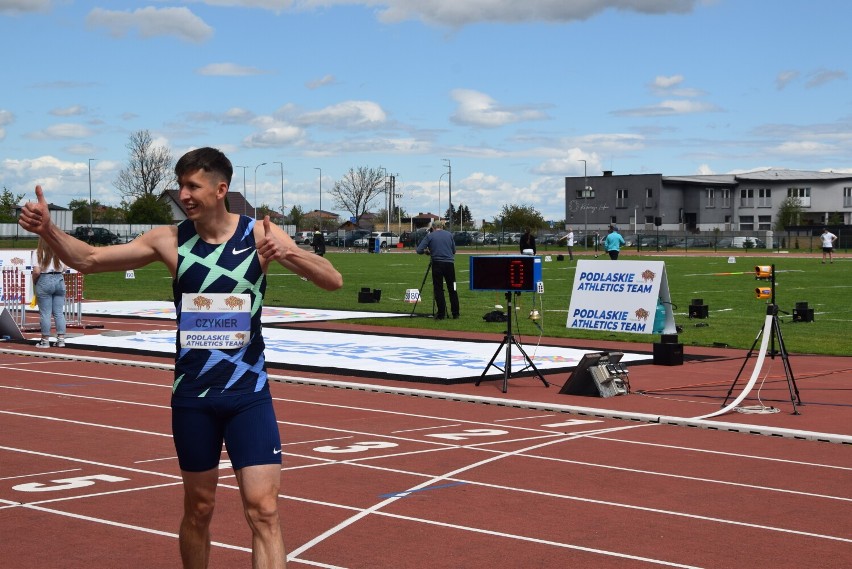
(822, 77)
(808, 148)
(662, 82)
(71, 111)
(321, 82)
(274, 136)
(455, 13)
(669, 108)
(24, 6)
(62, 130)
(229, 70)
(152, 22)
(478, 109)
(785, 78)
(348, 114)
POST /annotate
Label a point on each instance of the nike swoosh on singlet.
(239, 251)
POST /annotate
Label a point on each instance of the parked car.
(304, 237)
(747, 243)
(692, 243)
(462, 238)
(413, 238)
(386, 239)
(345, 238)
(95, 235)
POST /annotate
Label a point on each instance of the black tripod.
(775, 334)
(420, 291)
(508, 341)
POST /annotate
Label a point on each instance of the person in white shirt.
(49, 289)
(828, 238)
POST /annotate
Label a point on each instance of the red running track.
(88, 478)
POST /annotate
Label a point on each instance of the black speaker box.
(666, 354)
(805, 315)
(698, 311)
(658, 221)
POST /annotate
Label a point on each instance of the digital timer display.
(520, 273)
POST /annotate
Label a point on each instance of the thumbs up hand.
(35, 216)
(272, 245)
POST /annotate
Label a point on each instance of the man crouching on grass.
(218, 261)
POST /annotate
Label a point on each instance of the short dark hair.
(208, 159)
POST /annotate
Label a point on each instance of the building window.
(711, 197)
(764, 197)
(746, 222)
(804, 195)
(725, 198)
(621, 198)
(746, 198)
(764, 222)
(649, 220)
(847, 197)
(587, 193)
(649, 197)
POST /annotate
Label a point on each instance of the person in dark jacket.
(527, 242)
(318, 242)
(439, 244)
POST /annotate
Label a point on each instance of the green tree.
(519, 217)
(295, 216)
(789, 213)
(148, 209)
(8, 203)
(80, 211)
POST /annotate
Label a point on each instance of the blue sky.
(514, 94)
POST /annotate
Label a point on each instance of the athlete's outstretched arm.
(159, 244)
(275, 245)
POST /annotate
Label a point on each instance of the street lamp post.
(254, 205)
(320, 195)
(245, 212)
(90, 191)
(439, 194)
(585, 209)
(282, 191)
(450, 189)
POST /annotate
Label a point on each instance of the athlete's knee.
(262, 514)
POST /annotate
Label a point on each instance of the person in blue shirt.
(613, 242)
(439, 244)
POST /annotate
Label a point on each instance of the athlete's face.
(200, 192)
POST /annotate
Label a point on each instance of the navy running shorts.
(245, 423)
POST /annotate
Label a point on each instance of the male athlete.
(218, 261)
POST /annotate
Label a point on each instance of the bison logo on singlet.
(648, 275)
(16, 261)
(234, 302)
(203, 302)
(240, 336)
(642, 314)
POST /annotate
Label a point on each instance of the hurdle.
(74, 286)
(14, 294)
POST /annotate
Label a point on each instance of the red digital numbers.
(516, 274)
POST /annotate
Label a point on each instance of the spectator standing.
(613, 242)
(318, 242)
(527, 243)
(49, 288)
(828, 238)
(570, 241)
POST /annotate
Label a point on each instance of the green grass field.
(736, 315)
